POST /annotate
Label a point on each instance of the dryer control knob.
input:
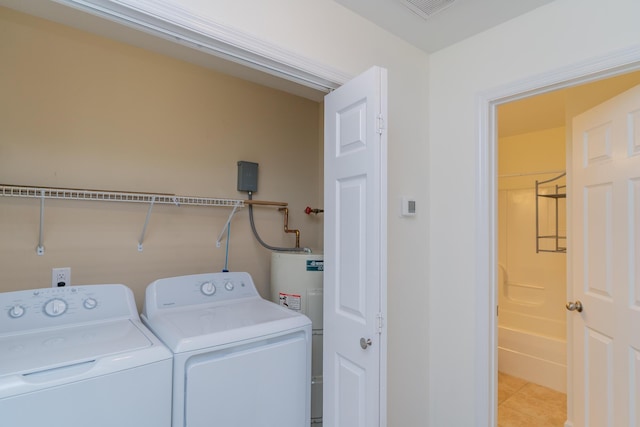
(208, 288)
(229, 285)
(90, 303)
(16, 311)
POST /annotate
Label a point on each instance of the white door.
(355, 251)
(605, 196)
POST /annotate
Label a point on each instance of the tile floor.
(524, 404)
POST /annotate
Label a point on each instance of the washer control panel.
(198, 289)
(42, 308)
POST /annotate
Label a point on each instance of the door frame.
(610, 65)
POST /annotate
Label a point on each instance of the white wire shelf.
(114, 196)
(43, 193)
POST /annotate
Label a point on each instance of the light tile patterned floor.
(524, 404)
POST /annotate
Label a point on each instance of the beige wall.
(528, 153)
(85, 112)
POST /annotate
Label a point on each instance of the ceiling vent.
(427, 8)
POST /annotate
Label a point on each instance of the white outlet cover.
(60, 275)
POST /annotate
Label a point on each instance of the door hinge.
(380, 124)
(379, 322)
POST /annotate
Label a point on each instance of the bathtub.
(536, 358)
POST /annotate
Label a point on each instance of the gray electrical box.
(247, 176)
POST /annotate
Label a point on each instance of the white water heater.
(296, 283)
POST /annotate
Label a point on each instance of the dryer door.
(265, 383)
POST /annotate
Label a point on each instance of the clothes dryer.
(239, 360)
(79, 356)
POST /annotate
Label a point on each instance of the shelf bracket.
(226, 225)
(146, 222)
(40, 248)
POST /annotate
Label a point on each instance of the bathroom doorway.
(532, 275)
(533, 135)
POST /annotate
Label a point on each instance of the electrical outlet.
(61, 277)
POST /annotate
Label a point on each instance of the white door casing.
(355, 252)
(605, 252)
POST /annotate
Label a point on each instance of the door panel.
(354, 239)
(605, 253)
(598, 375)
(351, 287)
(597, 240)
(351, 405)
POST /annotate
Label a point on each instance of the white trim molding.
(170, 21)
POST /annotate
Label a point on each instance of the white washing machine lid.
(55, 336)
(44, 350)
(196, 327)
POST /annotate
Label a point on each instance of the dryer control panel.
(198, 289)
(50, 307)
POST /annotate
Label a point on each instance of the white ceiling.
(465, 18)
(460, 20)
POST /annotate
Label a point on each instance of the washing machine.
(239, 360)
(80, 356)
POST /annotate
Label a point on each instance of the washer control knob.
(16, 311)
(229, 285)
(90, 303)
(55, 307)
(208, 288)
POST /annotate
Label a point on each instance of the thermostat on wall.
(408, 206)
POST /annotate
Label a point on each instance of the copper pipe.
(286, 226)
(264, 203)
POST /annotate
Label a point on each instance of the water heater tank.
(296, 283)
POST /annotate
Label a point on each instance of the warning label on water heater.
(315, 265)
(291, 301)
